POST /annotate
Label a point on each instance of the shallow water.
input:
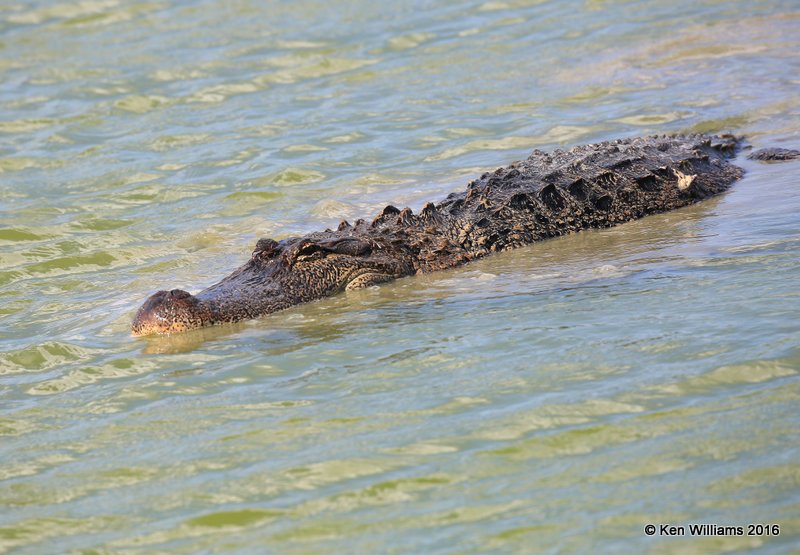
(556, 398)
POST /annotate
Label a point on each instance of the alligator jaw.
(168, 312)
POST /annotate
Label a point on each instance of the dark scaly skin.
(546, 195)
(774, 155)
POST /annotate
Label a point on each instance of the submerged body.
(545, 195)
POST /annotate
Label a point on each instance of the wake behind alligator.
(545, 195)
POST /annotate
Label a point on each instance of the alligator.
(546, 195)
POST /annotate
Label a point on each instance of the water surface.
(557, 398)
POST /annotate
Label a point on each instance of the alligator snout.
(170, 312)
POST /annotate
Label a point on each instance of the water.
(557, 398)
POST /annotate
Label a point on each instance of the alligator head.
(277, 276)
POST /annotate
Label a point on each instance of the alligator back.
(551, 194)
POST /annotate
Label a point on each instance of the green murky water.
(554, 399)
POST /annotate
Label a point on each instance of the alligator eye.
(316, 255)
(308, 252)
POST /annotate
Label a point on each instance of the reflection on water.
(557, 397)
